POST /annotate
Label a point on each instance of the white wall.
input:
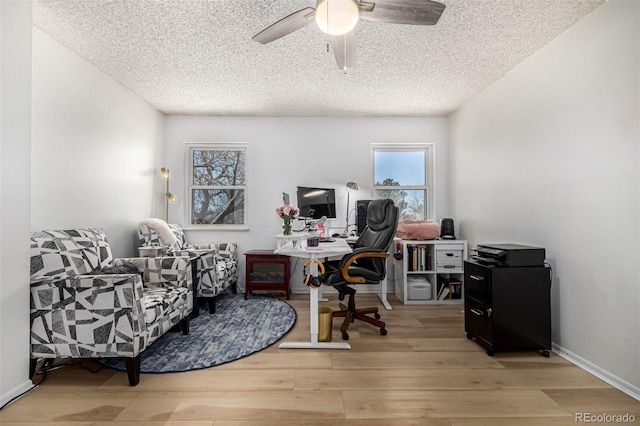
(286, 152)
(15, 128)
(96, 148)
(549, 156)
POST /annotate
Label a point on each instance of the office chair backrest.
(382, 222)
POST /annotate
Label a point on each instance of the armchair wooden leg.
(212, 305)
(133, 370)
(33, 362)
(184, 326)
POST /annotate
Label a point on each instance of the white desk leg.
(313, 312)
(313, 269)
(383, 294)
(313, 309)
(320, 297)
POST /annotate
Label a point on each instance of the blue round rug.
(238, 328)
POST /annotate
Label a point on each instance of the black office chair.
(365, 265)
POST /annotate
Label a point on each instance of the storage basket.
(419, 288)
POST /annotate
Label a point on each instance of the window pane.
(410, 202)
(218, 168)
(404, 168)
(217, 206)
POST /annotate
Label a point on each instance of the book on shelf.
(455, 286)
(419, 257)
(446, 287)
(445, 293)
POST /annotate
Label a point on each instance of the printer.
(508, 255)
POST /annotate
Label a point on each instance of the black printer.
(508, 255)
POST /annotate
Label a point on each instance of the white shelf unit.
(426, 267)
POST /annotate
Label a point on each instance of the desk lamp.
(167, 195)
(350, 186)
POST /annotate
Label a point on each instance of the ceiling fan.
(338, 19)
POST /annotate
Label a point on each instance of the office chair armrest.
(364, 250)
(348, 261)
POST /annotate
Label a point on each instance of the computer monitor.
(316, 202)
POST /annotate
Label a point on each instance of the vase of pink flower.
(287, 213)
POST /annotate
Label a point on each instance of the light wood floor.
(424, 372)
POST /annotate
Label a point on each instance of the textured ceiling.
(197, 56)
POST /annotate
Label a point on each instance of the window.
(217, 185)
(404, 174)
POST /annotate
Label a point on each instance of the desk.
(281, 240)
(337, 248)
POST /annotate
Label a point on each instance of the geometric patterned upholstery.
(228, 253)
(73, 252)
(77, 312)
(216, 264)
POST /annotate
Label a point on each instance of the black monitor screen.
(316, 202)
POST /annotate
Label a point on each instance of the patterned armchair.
(82, 306)
(216, 265)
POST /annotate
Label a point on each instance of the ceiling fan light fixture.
(337, 17)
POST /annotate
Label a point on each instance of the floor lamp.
(350, 186)
(168, 196)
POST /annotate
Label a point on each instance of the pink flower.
(287, 211)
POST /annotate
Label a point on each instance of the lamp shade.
(165, 172)
(337, 17)
(352, 185)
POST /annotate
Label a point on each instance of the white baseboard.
(615, 381)
(16, 391)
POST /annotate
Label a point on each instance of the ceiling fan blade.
(286, 25)
(413, 12)
(344, 49)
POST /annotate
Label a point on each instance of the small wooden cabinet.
(266, 270)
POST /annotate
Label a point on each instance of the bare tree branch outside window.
(218, 185)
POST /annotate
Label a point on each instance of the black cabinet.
(508, 308)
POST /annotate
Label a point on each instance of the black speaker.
(361, 215)
(446, 229)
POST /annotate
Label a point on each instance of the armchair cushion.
(160, 229)
(72, 252)
(124, 268)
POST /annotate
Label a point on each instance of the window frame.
(430, 173)
(189, 187)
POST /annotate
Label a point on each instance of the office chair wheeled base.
(350, 315)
